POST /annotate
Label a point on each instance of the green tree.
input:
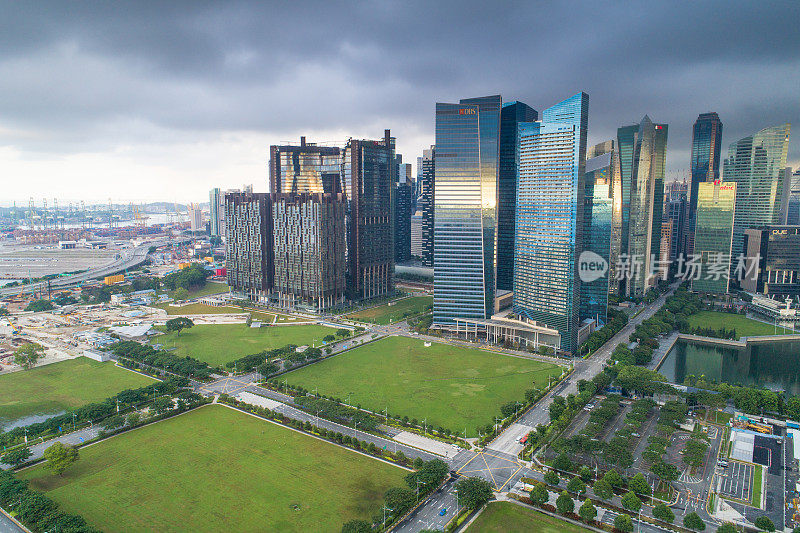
(342, 332)
(16, 457)
(328, 338)
(764, 523)
(631, 502)
(586, 473)
(162, 405)
(357, 526)
(693, 521)
(613, 478)
(551, 477)
(28, 355)
(638, 484)
(576, 485)
(727, 527)
(400, 499)
(180, 293)
(40, 305)
(662, 512)
(60, 457)
(178, 324)
(557, 407)
(602, 489)
(563, 462)
(587, 511)
(473, 492)
(665, 471)
(539, 494)
(564, 503)
(265, 369)
(623, 522)
(134, 418)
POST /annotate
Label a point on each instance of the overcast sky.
(141, 101)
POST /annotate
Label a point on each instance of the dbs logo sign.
(467, 111)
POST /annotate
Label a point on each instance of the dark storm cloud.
(78, 76)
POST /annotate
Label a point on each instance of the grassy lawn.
(745, 327)
(58, 386)
(506, 516)
(722, 418)
(756, 494)
(413, 305)
(211, 287)
(216, 469)
(218, 344)
(451, 386)
(203, 309)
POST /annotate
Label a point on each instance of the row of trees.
(614, 324)
(35, 510)
(142, 353)
(93, 411)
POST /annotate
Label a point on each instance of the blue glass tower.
(551, 159)
(465, 209)
(706, 147)
(597, 233)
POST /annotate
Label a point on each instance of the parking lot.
(737, 481)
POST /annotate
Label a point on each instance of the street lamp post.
(418, 483)
(354, 429)
(385, 508)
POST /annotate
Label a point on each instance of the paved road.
(128, 258)
(73, 439)
(8, 526)
(508, 440)
(427, 516)
(234, 386)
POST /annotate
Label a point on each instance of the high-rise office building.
(416, 235)
(643, 151)
(403, 208)
(426, 186)
(706, 147)
(368, 176)
(610, 148)
(675, 212)
(716, 205)
(309, 250)
(216, 212)
(666, 248)
(756, 164)
(465, 210)
(196, 222)
(248, 246)
(597, 201)
(773, 261)
(511, 115)
(305, 168)
(550, 218)
(790, 207)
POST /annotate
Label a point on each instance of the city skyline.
(94, 103)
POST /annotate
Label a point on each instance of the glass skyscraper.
(706, 146)
(713, 235)
(511, 115)
(643, 153)
(306, 168)
(551, 160)
(756, 164)
(427, 178)
(465, 209)
(597, 232)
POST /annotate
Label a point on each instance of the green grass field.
(218, 344)
(216, 469)
(204, 309)
(500, 517)
(382, 314)
(451, 386)
(758, 473)
(745, 327)
(58, 386)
